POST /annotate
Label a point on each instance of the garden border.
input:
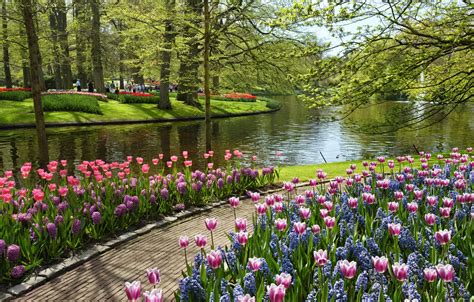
(121, 122)
(50, 272)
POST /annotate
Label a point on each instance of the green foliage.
(70, 102)
(133, 99)
(271, 103)
(223, 98)
(15, 95)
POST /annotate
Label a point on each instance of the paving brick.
(5, 297)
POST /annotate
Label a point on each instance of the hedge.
(70, 102)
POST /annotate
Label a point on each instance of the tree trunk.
(207, 92)
(80, 41)
(61, 21)
(6, 53)
(35, 67)
(166, 57)
(58, 83)
(25, 67)
(97, 69)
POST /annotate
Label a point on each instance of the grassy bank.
(12, 112)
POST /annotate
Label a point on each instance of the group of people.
(90, 86)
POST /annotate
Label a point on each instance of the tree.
(6, 52)
(421, 49)
(81, 39)
(35, 70)
(96, 53)
(168, 39)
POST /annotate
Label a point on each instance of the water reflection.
(296, 131)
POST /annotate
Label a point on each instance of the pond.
(301, 135)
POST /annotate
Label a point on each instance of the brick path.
(103, 277)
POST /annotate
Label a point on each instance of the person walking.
(78, 85)
(90, 86)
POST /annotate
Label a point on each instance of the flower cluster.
(386, 233)
(99, 96)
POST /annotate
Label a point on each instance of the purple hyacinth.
(52, 230)
(164, 193)
(152, 198)
(58, 220)
(181, 187)
(76, 226)
(17, 271)
(96, 217)
(13, 253)
(2, 247)
(120, 210)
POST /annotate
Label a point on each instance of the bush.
(71, 102)
(15, 95)
(271, 103)
(133, 99)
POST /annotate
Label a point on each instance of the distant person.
(117, 90)
(78, 85)
(90, 86)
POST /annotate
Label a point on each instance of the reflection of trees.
(165, 140)
(188, 137)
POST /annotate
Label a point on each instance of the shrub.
(135, 99)
(99, 96)
(271, 103)
(15, 95)
(71, 102)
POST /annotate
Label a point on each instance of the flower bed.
(71, 102)
(49, 213)
(373, 236)
(134, 98)
(14, 95)
(99, 96)
(234, 97)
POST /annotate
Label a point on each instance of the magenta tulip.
(155, 295)
(443, 236)
(255, 264)
(321, 257)
(352, 202)
(299, 228)
(214, 259)
(283, 279)
(276, 293)
(183, 242)
(393, 206)
(246, 298)
(394, 229)
(133, 290)
(329, 221)
(430, 218)
(445, 272)
(280, 224)
(153, 275)
(430, 274)
(242, 237)
(211, 224)
(348, 269)
(241, 224)
(234, 202)
(380, 264)
(200, 240)
(305, 213)
(400, 271)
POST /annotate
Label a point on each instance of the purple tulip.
(133, 290)
(276, 293)
(52, 230)
(153, 275)
(13, 253)
(96, 217)
(76, 226)
(2, 247)
(18, 271)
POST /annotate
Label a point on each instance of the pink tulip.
(329, 221)
(280, 224)
(443, 236)
(133, 290)
(321, 257)
(283, 279)
(305, 213)
(255, 264)
(234, 202)
(445, 272)
(145, 168)
(380, 264)
(200, 240)
(242, 237)
(255, 196)
(139, 160)
(394, 229)
(430, 274)
(412, 207)
(348, 269)
(368, 198)
(210, 166)
(300, 199)
(211, 224)
(448, 202)
(241, 224)
(316, 229)
(432, 200)
(299, 228)
(214, 259)
(185, 154)
(153, 275)
(445, 212)
(321, 199)
(398, 195)
(174, 158)
(155, 161)
(328, 205)
(400, 271)
(352, 202)
(155, 295)
(270, 200)
(183, 242)
(278, 207)
(261, 208)
(169, 164)
(323, 213)
(430, 218)
(393, 206)
(276, 293)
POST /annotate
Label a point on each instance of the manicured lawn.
(22, 112)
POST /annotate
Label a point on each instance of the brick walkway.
(103, 277)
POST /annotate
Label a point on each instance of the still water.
(301, 135)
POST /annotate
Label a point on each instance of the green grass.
(15, 95)
(22, 112)
(71, 103)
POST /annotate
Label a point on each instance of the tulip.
(323, 213)
(270, 200)
(200, 240)
(255, 264)
(211, 224)
(242, 237)
(430, 274)
(321, 257)
(246, 298)
(278, 207)
(380, 264)
(300, 199)
(214, 259)
(183, 242)
(280, 224)
(299, 228)
(445, 272)
(13, 253)
(393, 206)
(155, 295)
(432, 200)
(329, 221)
(400, 271)
(234, 202)
(443, 236)
(254, 196)
(133, 290)
(276, 293)
(241, 224)
(316, 229)
(153, 275)
(412, 207)
(448, 202)
(283, 279)
(305, 213)
(430, 218)
(394, 229)
(261, 208)
(348, 269)
(352, 202)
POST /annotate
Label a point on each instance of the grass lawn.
(306, 172)
(12, 112)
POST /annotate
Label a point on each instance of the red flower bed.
(236, 95)
(2, 89)
(136, 93)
